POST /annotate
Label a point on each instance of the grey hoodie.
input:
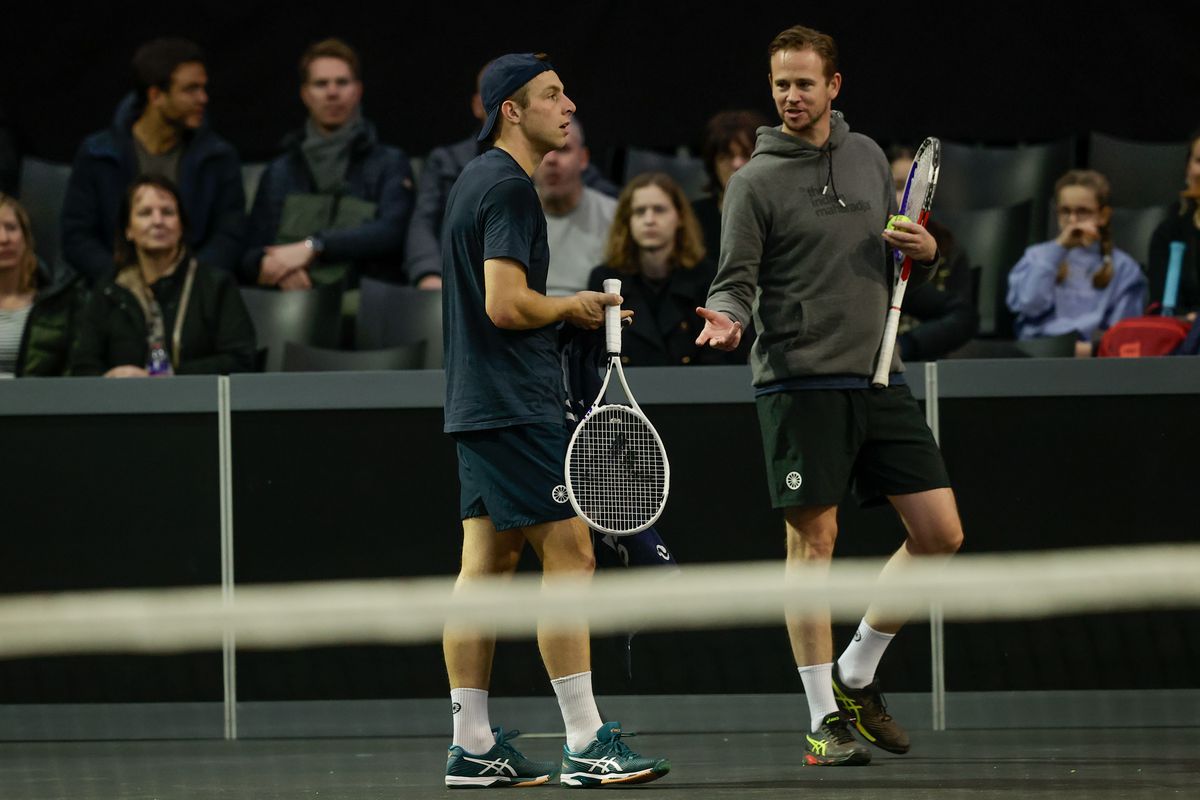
(810, 262)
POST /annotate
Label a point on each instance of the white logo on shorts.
(794, 480)
(559, 494)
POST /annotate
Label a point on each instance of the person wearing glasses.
(1079, 282)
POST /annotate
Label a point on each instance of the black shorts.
(819, 443)
(514, 475)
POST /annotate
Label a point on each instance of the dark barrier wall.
(646, 74)
(336, 493)
(98, 502)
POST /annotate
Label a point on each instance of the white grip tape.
(612, 319)
(888, 344)
(885, 352)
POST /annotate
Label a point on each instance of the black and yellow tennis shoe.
(867, 710)
(833, 745)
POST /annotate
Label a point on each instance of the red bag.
(1137, 337)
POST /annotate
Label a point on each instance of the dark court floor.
(972, 764)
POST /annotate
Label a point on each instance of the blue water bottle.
(1174, 268)
(159, 362)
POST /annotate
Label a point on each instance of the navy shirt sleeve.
(508, 215)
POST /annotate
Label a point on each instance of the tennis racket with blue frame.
(915, 204)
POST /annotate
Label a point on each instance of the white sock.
(858, 664)
(818, 688)
(472, 729)
(578, 707)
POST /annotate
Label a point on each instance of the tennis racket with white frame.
(915, 204)
(617, 472)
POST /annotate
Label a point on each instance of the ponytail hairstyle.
(1098, 184)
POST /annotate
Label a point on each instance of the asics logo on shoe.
(818, 745)
(498, 766)
(846, 701)
(602, 764)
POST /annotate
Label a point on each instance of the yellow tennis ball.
(891, 226)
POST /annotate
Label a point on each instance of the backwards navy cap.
(502, 78)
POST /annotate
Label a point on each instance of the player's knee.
(951, 541)
(587, 561)
(943, 541)
(495, 564)
(813, 542)
(570, 560)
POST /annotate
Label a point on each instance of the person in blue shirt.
(1078, 283)
(505, 409)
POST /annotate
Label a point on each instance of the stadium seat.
(1132, 229)
(994, 239)
(1061, 346)
(312, 318)
(305, 358)
(688, 171)
(991, 177)
(42, 188)
(1140, 173)
(390, 315)
(251, 176)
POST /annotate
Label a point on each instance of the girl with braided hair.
(1079, 282)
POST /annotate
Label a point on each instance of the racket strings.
(916, 193)
(918, 197)
(618, 470)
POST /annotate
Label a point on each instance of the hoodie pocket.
(827, 318)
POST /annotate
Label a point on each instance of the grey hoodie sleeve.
(743, 235)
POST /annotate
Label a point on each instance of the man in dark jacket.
(160, 129)
(338, 200)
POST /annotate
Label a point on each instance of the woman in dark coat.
(1183, 225)
(655, 247)
(163, 313)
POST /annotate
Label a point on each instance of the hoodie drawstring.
(829, 184)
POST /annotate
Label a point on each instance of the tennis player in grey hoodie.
(805, 252)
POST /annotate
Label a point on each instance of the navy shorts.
(514, 475)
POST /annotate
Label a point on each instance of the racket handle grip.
(884, 367)
(1174, 268)
(612, 319)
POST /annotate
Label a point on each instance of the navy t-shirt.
(495, 378)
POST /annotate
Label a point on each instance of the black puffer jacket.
(52, 323)
(217, 336)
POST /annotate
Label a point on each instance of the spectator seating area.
(996, 201)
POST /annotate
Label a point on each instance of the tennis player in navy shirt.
(505, 410)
